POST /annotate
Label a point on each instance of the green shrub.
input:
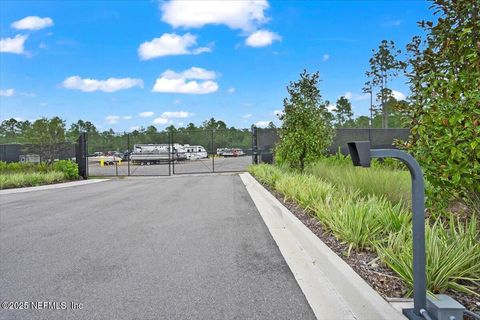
(69, 168)
(453, 256)
(17, 180)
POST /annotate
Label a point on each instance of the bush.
(67, 167)
(17, 180)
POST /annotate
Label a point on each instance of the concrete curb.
(52, 186)
(333, 289)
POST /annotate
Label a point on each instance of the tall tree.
(444, 112)
(343, 112)
(81, 126)
(384, 65)
(306, 130)
(47, 138)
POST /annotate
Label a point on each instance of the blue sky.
(126, 64)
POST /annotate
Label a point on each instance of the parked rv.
(195, 152)
(156, 153)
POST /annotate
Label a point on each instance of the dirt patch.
(366, 263)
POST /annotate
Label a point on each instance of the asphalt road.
(186, 247)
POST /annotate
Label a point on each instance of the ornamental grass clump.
(359, 222)
(394, 185)
(453, 256)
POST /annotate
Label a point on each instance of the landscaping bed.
(365, 260)
(18, 175)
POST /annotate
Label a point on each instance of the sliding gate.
(181, 151)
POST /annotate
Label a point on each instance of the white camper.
(156, 153)
(195, 152)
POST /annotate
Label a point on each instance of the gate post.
(128, 154)
(81, 155)
(213, 151)
(170, 152)
(254, 145)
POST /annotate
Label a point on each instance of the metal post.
(128, 154)
(418, 208)
(213, 154)
(254, 145)
(170, 147)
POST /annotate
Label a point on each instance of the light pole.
(361, 155)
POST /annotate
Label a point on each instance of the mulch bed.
(366, 263)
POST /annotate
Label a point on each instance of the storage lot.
(236, 164)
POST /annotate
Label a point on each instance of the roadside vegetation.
(16, 175)
(368, 220)
(369, 209)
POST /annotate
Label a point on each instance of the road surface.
(184, 247)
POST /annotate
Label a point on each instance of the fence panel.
(196, 148)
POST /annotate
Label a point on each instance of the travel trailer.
(195, 152)
(156, 153)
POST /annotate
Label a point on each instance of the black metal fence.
(166, 153)
(179, 152)
(48, 152)
(266, 139)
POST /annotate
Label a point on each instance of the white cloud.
(43, 104)
(262, 38)
(325, 57)
(231, 90)
(244, 15)
(182, 86)
(127, 117)
(176, 114)
(42, 45)
(111, 119)
(18, 118)
(278, 113)
(174, 82)
(192, 73)
(7, 92)
(247, 116)
(133, 128)
(398, 95)
(146, 114)
(353, 96)
(32, 23)
(13, 45)
(109, 85)
(170, 44)
(262, 124)
(176, 101)
(160, 121)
